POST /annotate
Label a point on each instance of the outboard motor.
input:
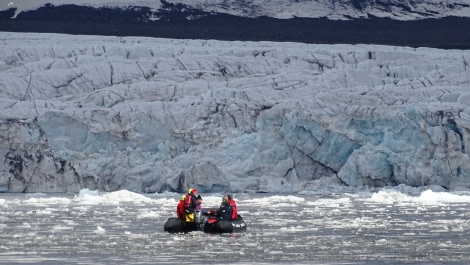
(197, 217)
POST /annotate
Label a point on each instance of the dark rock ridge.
(181, 22)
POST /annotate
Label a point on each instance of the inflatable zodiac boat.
(209, 225)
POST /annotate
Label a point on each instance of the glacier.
(152, 115)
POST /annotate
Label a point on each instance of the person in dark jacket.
(198, 203)
(225, 210)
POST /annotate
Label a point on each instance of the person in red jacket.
(190, 205)
(234, 206)
(180, 208)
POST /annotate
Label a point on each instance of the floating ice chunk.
(99, 230)
(94, 197)
(443, 197)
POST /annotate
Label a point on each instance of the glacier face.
(150, 115)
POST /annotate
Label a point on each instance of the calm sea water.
(287, 229)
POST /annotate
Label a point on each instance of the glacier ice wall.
(149, 115)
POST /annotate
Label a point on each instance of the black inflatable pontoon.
(209, 225)
(175, 225)
(237, 225)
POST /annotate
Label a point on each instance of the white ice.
(417, 196)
